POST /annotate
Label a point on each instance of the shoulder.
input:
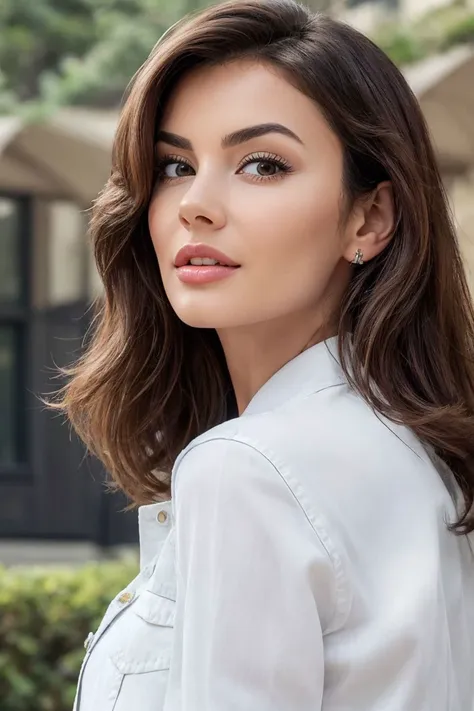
(226, 476)
(308, 440)
(226, 457)
(334, 425)
(363, 487)
(341, 461)
(239, 460)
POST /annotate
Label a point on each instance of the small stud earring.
(358, 259)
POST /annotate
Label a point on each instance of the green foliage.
(36, 35)
(56, 52)
(77, 51)
(45, 616)
(435, 32)
(401, 44)
(125, 35)
(459, 32)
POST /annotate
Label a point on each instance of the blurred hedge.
(45, 616)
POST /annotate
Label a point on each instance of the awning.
(444, 86)
(67, 156)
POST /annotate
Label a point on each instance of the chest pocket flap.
(155, 609)
(147, 641)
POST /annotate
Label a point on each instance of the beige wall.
(462, 201)
(60, 253)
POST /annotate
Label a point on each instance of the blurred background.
(64, 65)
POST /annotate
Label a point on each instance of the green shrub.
(401, 44)
(45, 615)
(461, 32)
(434, 32)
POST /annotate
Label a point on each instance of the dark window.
(10, 254)
(14, 317)
(9, 400)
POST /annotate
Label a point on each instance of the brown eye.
(176, 169)
(266, 168)
(183, 170)
(263, 167)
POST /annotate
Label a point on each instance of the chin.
(194, 314)
(210, 315)
(197, 319)
(202, 310)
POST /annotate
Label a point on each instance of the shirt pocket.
(143, 656)
(148, 645)
(128, 662)
(143, 660)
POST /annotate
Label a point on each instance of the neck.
(255, 353)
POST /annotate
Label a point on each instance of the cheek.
(162, 216)
(295, 231)
(287, 238)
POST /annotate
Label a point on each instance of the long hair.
(147, 384)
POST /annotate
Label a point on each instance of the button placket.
(88, 640)
(116, 607)
(126, 597)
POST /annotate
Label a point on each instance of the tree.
(37, 35)
(77, 51)
(56, 52)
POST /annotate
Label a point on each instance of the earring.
(358, 259)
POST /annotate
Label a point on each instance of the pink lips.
(189, 251)
(203, 274)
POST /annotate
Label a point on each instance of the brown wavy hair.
(147, 384)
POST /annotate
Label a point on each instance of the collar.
(314, 369)
(154, 524)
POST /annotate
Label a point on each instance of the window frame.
(19, 317)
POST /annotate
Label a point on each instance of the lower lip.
(204, 275)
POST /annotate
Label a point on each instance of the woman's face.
(249, 167)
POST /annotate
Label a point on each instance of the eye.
(264, 166)
(176, 169)
(173, 167)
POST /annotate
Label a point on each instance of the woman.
(283, 359)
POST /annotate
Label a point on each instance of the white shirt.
(302, 564)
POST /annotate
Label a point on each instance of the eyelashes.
(269, 166)
(169, 160)
(268, 159)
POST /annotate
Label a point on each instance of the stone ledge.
(54, 553)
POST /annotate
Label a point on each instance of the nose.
(201, 211)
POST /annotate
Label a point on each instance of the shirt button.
(162, 517)
(126, 597)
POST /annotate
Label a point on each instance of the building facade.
(48, 490)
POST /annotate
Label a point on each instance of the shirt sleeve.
(255, 585)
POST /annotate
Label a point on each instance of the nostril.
(202, 218)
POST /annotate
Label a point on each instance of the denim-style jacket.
(303, 563)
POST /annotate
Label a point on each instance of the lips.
(190, 251)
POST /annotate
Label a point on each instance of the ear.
(371, 225)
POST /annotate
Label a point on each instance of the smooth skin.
(272, 203)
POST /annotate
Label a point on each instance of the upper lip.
(189, 251)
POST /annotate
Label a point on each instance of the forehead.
(236, 94)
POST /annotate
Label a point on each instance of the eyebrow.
(232, 139)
